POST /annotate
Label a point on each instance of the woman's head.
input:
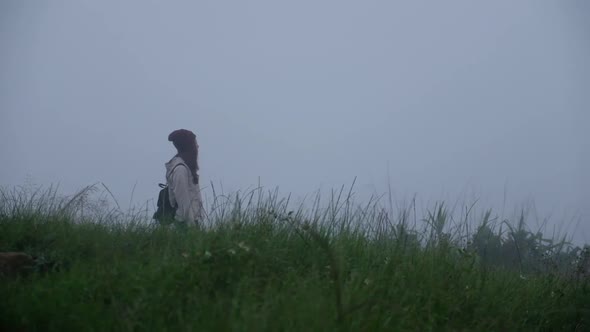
(185, 142)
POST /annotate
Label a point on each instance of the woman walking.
(182, 178)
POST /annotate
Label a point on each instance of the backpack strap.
(179, 164)
(173, 169)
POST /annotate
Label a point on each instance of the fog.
(444, 100)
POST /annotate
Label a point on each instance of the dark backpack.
(165, 212)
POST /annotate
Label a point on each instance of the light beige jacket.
(183, 192)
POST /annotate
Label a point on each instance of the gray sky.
(451, 98)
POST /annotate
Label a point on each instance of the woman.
(182, 178)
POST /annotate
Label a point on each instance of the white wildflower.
(244, 247)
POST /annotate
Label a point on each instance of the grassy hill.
(264, 268)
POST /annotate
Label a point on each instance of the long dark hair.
(185, 142)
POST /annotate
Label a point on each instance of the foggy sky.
(443, 99)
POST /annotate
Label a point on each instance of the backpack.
(165, 212)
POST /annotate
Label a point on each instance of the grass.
(261, 267)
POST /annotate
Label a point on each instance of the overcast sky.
(443, 99)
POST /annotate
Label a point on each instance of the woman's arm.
(181, 178)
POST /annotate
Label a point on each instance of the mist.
(454, 100)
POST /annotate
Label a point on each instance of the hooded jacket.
(183, 193)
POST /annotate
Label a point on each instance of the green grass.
(262, 269)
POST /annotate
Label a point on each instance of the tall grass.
(258, 265)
